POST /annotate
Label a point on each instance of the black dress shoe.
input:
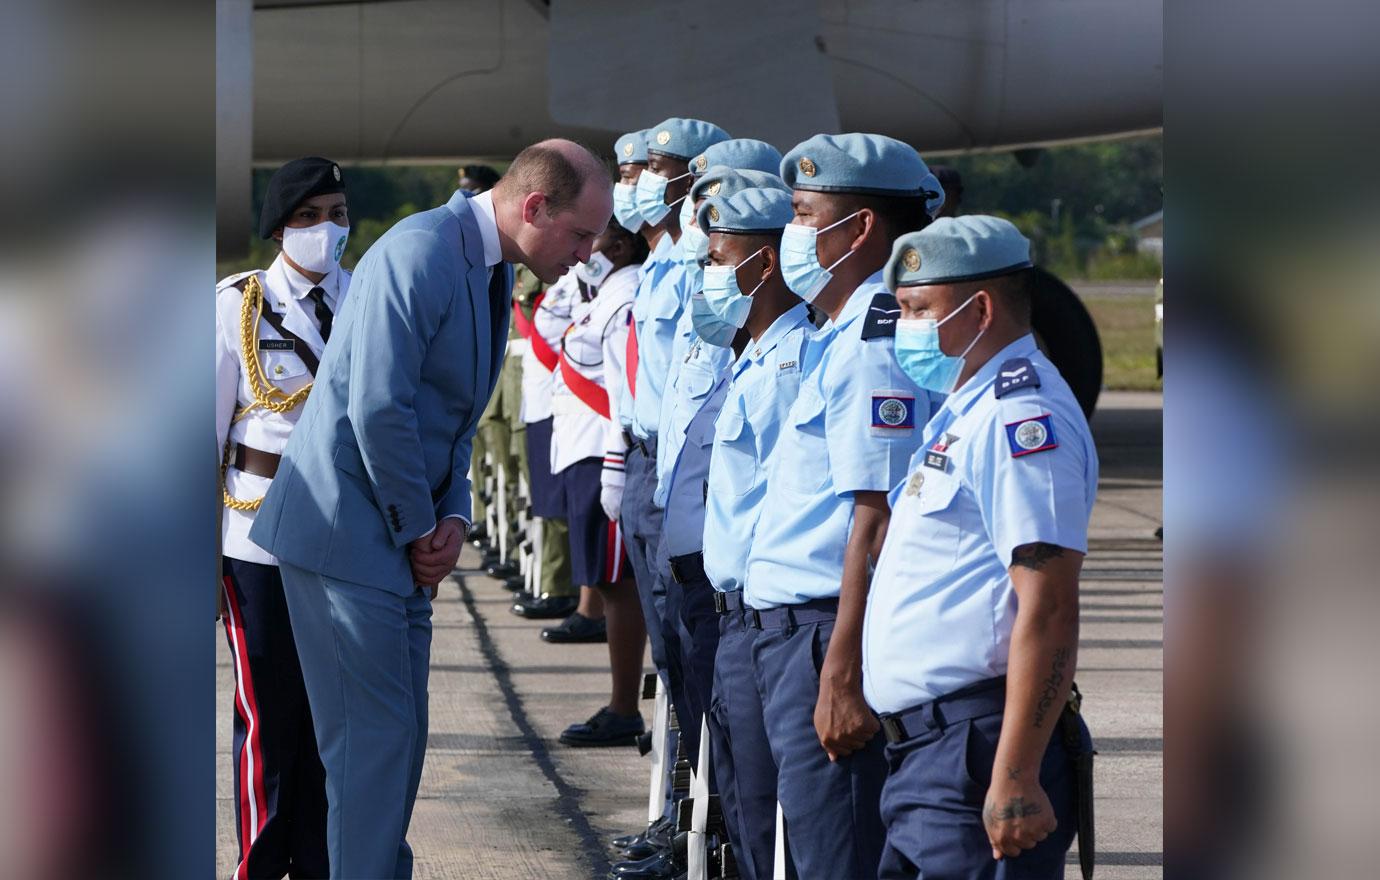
(479, 537)
(655, 840)
(627, 840)
(515, 583)
(604, 728)
(577, 628)
(544, 607)
(667, 864)
(501, 569)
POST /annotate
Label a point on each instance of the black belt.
(687, 568)
(729, 602)
(975, 701)
(813, 611)
(256, 461)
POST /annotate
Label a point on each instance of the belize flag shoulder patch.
(1027, 436)
(893, 411)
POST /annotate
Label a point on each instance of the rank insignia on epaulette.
(1035, 434)
(937, 460)
(277, 345)
(893, 411)
(1014, 374)
(881, 317)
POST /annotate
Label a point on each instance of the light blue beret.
(720, 180)
(683, 138)
(954, 249)
(741, 154)
(869, 164)
(756, 209)
(632, 147)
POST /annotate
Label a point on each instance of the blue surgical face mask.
(710, 327)
(625, 207)
(694, 244)
(800, 259)
(921, 358)
(651, 196)
(723, 295)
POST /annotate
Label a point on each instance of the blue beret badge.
(1031, 435)
(893, 411)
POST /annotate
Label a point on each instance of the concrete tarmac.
(500, 798)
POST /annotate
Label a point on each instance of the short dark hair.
(637, 245)
(483, 175)
(952, 181)
(1015, 292)
(543, 169)
(897, 214)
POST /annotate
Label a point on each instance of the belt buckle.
(893, 728)
(754, 617)
(720, 602)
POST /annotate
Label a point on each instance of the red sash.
(545, 355)
(631, 360)
(591, 393)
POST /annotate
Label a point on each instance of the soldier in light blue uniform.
(851, 434)
(744, 289)
(971, 633)
(699, 364)
(661, 296)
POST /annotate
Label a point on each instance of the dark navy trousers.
(936, 785)
(833, 826)
(280, 786)
(743, 766)
(641, 521)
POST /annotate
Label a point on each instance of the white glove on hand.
(611, 499)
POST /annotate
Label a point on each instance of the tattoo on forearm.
(1051, 685)
(1034, 556)
(1013, 773)
(1016, 808)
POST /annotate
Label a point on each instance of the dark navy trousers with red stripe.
(280, 786)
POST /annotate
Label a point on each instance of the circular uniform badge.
(713, 188)
(807, 167)
(911, 260)
(701, 163)
(663, 137)
(339, 248)
(627, 149)
(891, 411)
(1031, 435)
(335, 169)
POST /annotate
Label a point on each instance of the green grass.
(1126, 325)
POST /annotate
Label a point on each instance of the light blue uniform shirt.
(683, 523)
(853, 428)
(992, 474)
(765, 382)
(653, 270)
(699, 368)
(656, 315)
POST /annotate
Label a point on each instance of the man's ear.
(532, 206)
(768, 256)
(868, 218)
(278, 235)
(984, 302)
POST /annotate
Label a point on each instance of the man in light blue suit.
(372, 501)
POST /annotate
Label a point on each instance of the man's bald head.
(556, 197)
(559, 168)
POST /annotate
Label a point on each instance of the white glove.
(611, 499)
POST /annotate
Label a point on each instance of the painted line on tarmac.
(567, 795)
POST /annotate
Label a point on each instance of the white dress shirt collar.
(483, 205)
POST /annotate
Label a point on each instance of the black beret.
(292, 184)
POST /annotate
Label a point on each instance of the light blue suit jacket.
(382, 450)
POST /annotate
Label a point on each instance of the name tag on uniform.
(277, 345)
(937, 460)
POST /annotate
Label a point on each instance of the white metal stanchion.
(697, 860)
(490, 512)
(656, 796)
(501, 502)
(779, 872)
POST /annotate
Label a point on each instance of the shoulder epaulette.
(237, 280)
(881, 317)
(1015, 374)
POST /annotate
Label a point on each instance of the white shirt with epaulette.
(285, 292)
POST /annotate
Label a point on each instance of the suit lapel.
(476, 282)
(501, 306)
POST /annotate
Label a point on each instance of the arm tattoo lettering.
(1013, 773)
(1034, 556)
(1016, 808)
(1050, 686)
